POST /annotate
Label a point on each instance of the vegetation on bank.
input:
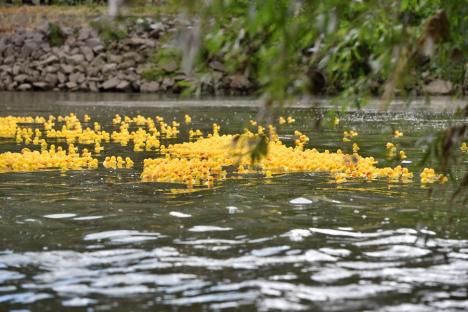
(349, 48)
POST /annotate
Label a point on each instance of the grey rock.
(93, 42)
(92, 86)
(111, 83)
(238, 81)
(112, 58)
(149, 87)
(170, 66)
(137, 41)
(98, 62)
(3, 45)
(109, 67)
(45, 47)
(142, 68)
(180, 77)
(15, 70)
(29, 48)
(51, 59)
(136, 57)
(218, 66)
(24, 87)
(74, 77)
(71, 85)
(51, 69)
(92, 71)
(18, 39)
(9, 59)
(21, 78)
(98, 48)
(81, 78)
(127, 64)
(167, 83)
(40, 85)
(84, 33)
(66, 68)
(123, 85)
(76, 58)
(439, 86)
(62, 78)
(51, 79)
(87, 52)
(12, 86)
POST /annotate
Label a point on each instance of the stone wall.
(83, 62)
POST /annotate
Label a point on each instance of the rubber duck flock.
(202, 161)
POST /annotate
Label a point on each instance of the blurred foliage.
(55, 35)
(347, 48)
(110, 31)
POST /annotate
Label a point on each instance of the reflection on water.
(101, 240)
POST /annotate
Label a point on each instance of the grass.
(29, 17)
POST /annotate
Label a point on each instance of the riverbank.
(62, 52)
(56, 57)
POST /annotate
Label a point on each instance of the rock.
(127, 64)
(238, 81)
(111, 83)
(24, 87)
(123, 85)
(98, 49)
(87, 52)
(21, 78)
(142, 68)
(81, 78)
(167, 83)
(93, 42)
(18, 39)
(218, 66)
(9, 59)
(170, 66)
(136, 57)
(109, 67)
(40, 85)
(98, 62)
(111, 58)
(76, 58)
(15, 70)
(3, 45)
(45, 47)
(135, 41)
(51, 69)
(92, 71)
(92, 86)
(67, 69)
(51, 59)
(71, 85)
(12, 86)
(439, 87)
(29, 48)
(180, 77)
(84, 33)
(61, 77)
(74, 77)
(51, 79)
(149, 87)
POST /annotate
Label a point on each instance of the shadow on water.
(101, 240)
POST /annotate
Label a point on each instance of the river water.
(101, 240)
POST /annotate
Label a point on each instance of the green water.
(102, 240)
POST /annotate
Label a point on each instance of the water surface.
(101, 240)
